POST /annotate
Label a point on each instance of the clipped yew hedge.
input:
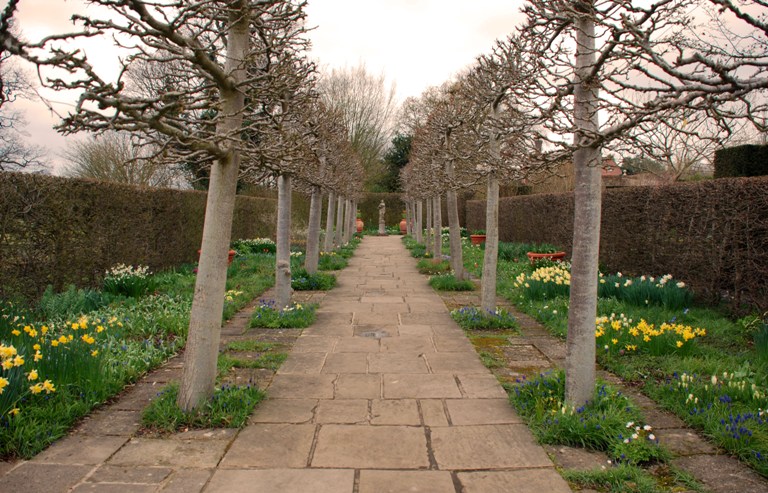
(62, 231)
(711, 234)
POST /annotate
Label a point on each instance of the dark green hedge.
(744, 160)
(711, 234)
(62, 231)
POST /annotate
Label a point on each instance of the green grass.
(301, 280)
(448, 282)
(728, 413)
(473, 318)
(433, 266)
(269, 361)
(331, 261)
(88, 345)
(267, 315)
(609, 422)
(630, 479)
(229, 407)
(250, 345)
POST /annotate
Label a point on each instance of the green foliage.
(610, 422)
(71, 302)
(331, 261)
(433, 266)
(743, 160)
(304, 281)
(473, 318)
(395, 160)
(448, 282)
(229, 407)
(295, 316)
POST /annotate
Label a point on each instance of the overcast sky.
(415, 43)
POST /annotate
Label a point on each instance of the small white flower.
(626, 440)
(647, 428)
(634, 436)
(651, 436)
(681, 285)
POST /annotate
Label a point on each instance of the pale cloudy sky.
(415, 43)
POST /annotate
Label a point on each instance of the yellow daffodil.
(36, 388)
(32, 376)
(54, 343)
(18, 360)
(16, 332)
(7, 364)
(36, 347)
(38, 356)
(14, 411)
(48, 387)
(95, 352)
(3, 384)
(88, 339)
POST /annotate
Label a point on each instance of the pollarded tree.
(504, 135)
(632, 62)
(236, 48)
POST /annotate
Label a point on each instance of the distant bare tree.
(15, 153)
(119, 158)
(368, 107)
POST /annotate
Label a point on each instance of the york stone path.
(384, 393)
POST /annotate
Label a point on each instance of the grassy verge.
(75, 350)
(709, 370)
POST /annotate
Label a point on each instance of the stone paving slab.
(141, 475)
(487, 447)
(376, 481)
(174, 453)
(343, 411)
(395, 412)
(271, 446)
(371, 447)
(81, 449)
(346, 363)
(420, 386)
(302, 386)
(409, 362)
(188, 481)
(358, 386)
(284, 411)
(481, 411)
(523, 481)
(282, 480)
(40, 476)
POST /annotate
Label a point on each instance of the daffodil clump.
(554, 280)
(331, 261)
(546, 282)
(619, 335)
(127, 280)
(646, 290)
(36, 359)
(254, 245)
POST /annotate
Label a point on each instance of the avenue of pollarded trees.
(227, 85)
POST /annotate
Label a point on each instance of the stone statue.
(382, 210)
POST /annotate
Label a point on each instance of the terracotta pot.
(230, 256)
(555, 257)
(477, 239)
(403, 226)
(359, 225)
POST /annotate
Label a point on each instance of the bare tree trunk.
(407, 219)
(345, 226)
(202, 349)
(580, 344)
(438, 242)
(353, 219)
(420, 222)
(339, 221)
(490, 257)
(283, 271)
(329, 222)
(454, 233)
(313, 231)
(428, 239)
